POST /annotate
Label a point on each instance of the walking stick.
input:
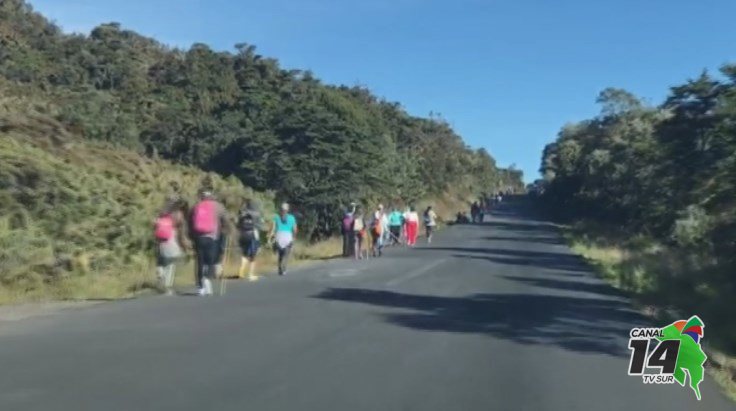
(146, 273)
(225, 260)
(396, 240)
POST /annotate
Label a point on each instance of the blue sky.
(506, 74)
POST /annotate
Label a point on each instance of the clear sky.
(506, 74)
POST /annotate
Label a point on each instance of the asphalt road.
(499, 316)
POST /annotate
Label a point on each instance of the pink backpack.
(164, 228)
(204, 217)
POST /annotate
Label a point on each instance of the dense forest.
(666, 171)
(663, 177)
(241, 114)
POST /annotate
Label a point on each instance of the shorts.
(430, 229)
(249, 247)
(168, 252)
(162, 261)
(395, 230)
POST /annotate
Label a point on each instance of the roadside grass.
(667, 285)
(447, 206)
(140, 278)
(76, 215)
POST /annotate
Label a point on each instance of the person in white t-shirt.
(430, 222)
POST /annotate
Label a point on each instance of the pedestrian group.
(364, 235)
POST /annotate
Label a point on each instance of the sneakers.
(206, 287)
(252, 278)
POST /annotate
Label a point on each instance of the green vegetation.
(75, 216)
(651, 195)
(240, 114)
(98, 130)
(651, 273)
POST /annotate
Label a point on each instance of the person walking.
(474, 212)
(412, 227)
(283, 233)
(250, 225)
(378, 230)
(394, 226)
(385, 234)
(208, 221)
(171, 242)
(405, 225)
(347, 231)
(430, 223)
(359, 233)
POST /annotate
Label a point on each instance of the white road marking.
(349, 272)
(415, 273)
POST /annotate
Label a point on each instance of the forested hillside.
(316, 145)
(661, 182)
(76, 215)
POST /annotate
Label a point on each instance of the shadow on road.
(540, 259)
(526, 227)
(554, 240)
(594, 325)
(569, 285)
(561, 262)
(505, 211)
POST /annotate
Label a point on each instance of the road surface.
(499, 316)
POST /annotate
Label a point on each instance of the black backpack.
(247, 226)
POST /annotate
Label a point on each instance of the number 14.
(664, 356)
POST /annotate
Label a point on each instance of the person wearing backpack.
(169, 245)
(430, 223)
(283, 232)
(378, 229)
(394, 226)
(208, 219)
(359, 231)
(347, 231)
(250, 223)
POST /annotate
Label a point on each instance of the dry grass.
(669, 285)
(448, 205)
(76, 216)
(141, 278)
(266, 262)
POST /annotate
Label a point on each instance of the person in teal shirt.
(283, 232)
(395, 221)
